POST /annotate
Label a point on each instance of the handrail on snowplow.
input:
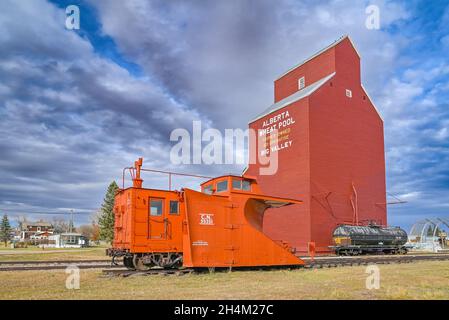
(137, 181)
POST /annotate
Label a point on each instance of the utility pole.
(71, 221)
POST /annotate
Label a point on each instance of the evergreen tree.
(106, 219)
(5, 230)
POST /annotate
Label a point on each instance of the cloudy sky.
(76, 106)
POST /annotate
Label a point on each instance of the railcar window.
(156, 207)
(222, 186)
(174, 207)
(237, 184)
(246, 185)
(207, 189)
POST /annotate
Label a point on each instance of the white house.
(68, 240)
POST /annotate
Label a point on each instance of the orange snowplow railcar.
(218, 227)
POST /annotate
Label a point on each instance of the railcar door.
(157, 226)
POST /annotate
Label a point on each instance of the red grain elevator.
(330, 150)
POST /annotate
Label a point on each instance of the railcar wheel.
(138, 264)
(128, 262)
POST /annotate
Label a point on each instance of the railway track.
(320, 262)
(323, 262)
(127, 273)
(118, 270)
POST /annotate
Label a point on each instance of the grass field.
(422, 280)
(53, 254)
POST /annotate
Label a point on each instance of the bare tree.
(87, 230)
(21, 221)
(95, 216)
(60, 225)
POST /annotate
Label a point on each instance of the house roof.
(42, 232)
(37, 224)
(305, 92)
(333, 44)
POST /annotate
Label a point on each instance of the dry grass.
(423, 280)
(52, 254)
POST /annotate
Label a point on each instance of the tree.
(87, 230)
(5, 230)
(95, 217)
(21, 221)
(60, 225)
(96, 232)
(106, 219)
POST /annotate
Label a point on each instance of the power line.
(19, 212)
